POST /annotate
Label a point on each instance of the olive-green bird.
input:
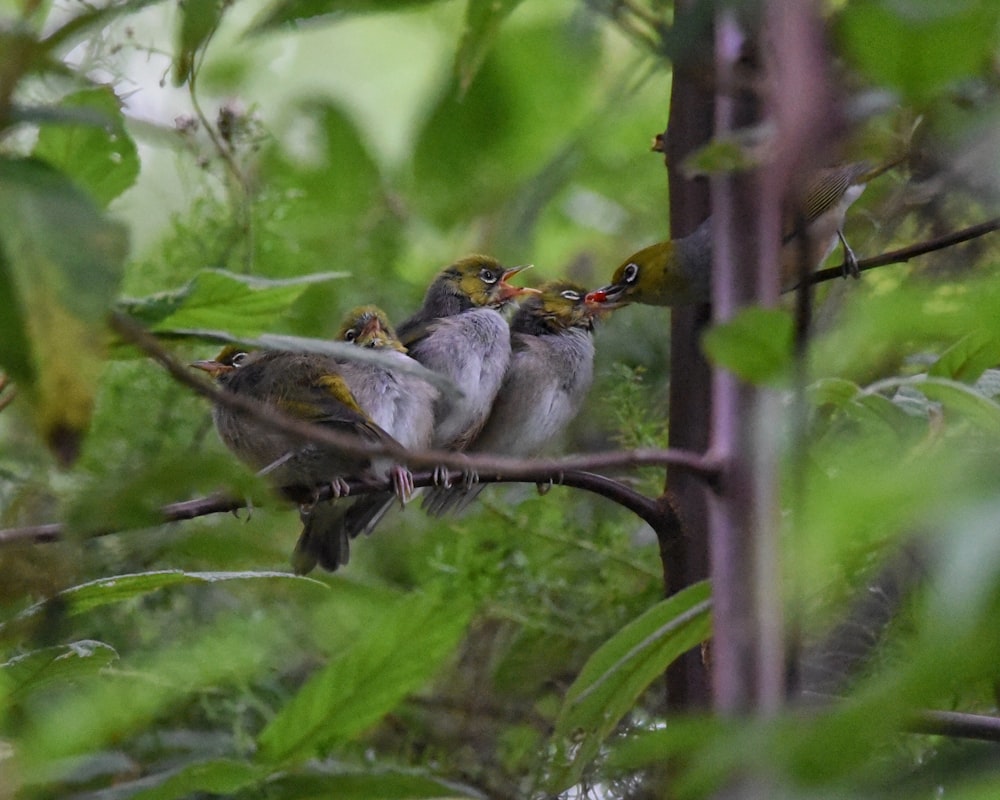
(678, 271)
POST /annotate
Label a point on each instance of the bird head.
(651, 275)
(368, 326)
(560, 305)
(229, 359)
(482, 281)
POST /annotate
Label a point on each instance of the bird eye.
(351, 335)
(631, 272)
(569, 294)
(237, 359)
(488, 276)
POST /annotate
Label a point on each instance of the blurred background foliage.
(262, 167)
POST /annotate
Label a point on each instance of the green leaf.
(968, 358)
(222, 776)
(836, 392)
(198, 21)
(395, 655)
(104, 591)
(620, 671)
(292, 11)
(964, 401)
(919, 48)
(61, 261)
(482, 24)
(756, 344)
(241, 304)
(383, 784)
(57, 665)
(101, 158)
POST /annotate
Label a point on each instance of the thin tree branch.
(541, 470)
(659, 516)
(904, 254)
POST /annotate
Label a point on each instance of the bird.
(678, 271)
(311, 388)
(548, 377)
(459, 332)
(397, 400)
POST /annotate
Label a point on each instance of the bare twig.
(498, 466)
(651, 511)
(904, 254)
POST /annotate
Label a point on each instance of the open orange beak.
(508, 292)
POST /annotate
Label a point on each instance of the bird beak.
(508, 292)
(372, 329)
(213, 368)
(608, 298)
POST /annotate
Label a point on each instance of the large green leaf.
(223, 776)
(968, 358)
(620, 671)
(61, 261)
(398, 651)
(243, 305)
(101, 158)
(198, 20)
(382, 784)
(116, 589)
(756, 344)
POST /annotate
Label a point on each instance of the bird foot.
(469, 478)
(402, 484)
(441, 477)
(248, 505)
(339, 488)
(850, 267)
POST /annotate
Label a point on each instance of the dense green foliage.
(265, 167)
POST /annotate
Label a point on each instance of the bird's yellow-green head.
(368, 326)
(652, 276)
(482, 280)
(558, 306)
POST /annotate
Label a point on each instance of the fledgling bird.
(397, 400)
(550, 372)
(459, 333)
(312, 388)
(678, 271)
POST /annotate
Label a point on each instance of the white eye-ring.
(488, 276)
(238, 359)
(351, 335)
(631, 272)
(569, 294)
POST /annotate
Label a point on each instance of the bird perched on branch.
(459, 333)
(397, 400)
(311, 388)
(547, 380)
(678, 271)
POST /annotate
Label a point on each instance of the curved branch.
(501, 466)
(660, 516)
(906, 253)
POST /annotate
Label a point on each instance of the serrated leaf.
(967, 359)
(392, 657)
(756, 344)
(101, 158)
(54, 665)
(620, 671)
(297, 11)
(62, 260)
(104, 591)
(224, 776)
(243, 305)
(482, 24)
